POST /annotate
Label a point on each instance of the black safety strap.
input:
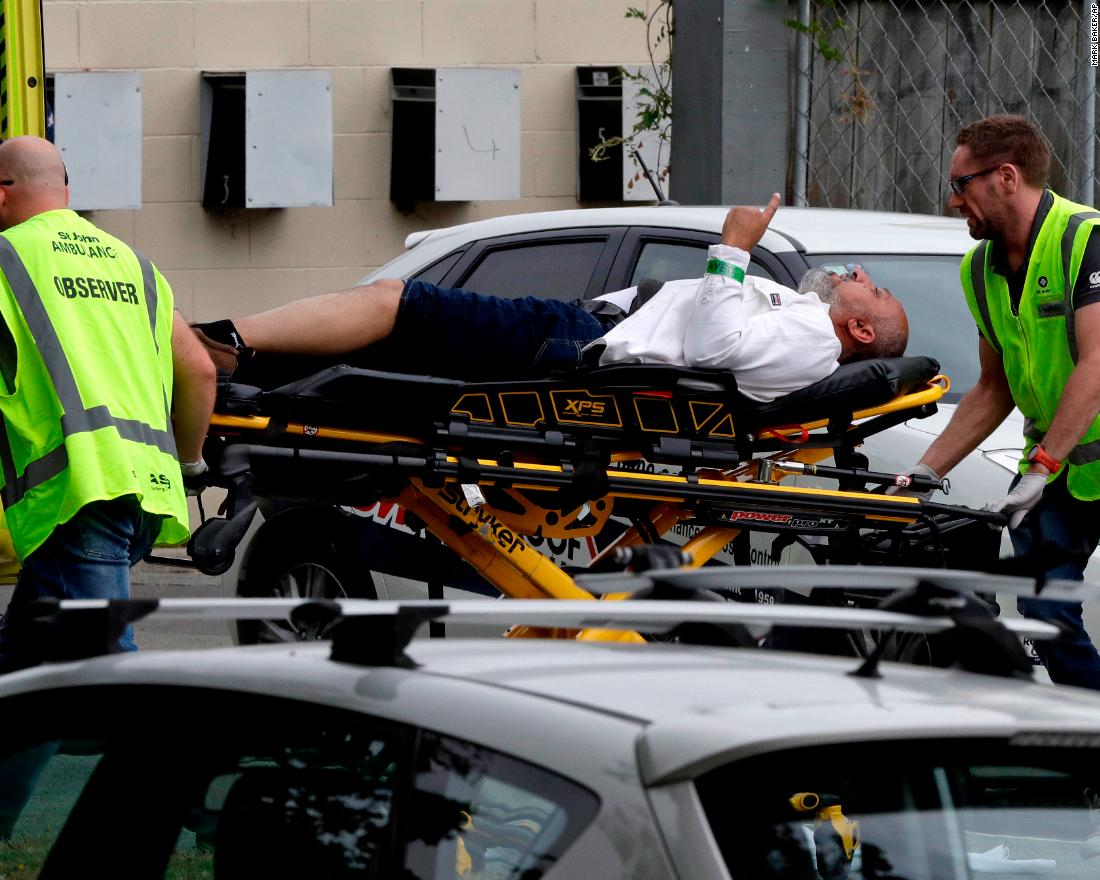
(75, 419)
(606, 311)
(647, 289)
(588, 472)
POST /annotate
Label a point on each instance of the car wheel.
(288, 561)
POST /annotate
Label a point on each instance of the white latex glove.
(1024, 496)
(192, 476)
(922, 469)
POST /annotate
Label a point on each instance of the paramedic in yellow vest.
(1033, 287)
(104, 391)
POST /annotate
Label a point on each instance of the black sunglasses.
(958, 184)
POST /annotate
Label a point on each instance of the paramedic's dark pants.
(1065, 531)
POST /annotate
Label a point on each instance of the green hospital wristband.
(729, 270)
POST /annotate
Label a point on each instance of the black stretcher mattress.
(620, 400)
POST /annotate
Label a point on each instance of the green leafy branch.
(821, 34)
(858, 103)
(654, 90)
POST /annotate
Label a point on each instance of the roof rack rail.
(862, 578)
(981, 642)
(376, 633)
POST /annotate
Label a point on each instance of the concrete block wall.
(243, 261)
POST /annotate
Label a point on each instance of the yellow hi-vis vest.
(85, 379)
(1038, 345)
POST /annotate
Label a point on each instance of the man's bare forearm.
(330, 324)
(1077, 408)
(1080, 400)
(979, 413)
(194, 385)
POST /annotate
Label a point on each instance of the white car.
(373, 757)
(569, 254)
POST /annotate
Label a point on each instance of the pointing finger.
(770, 208)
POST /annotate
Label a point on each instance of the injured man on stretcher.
(773, 339)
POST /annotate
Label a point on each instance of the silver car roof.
(819, 230)
(690, 708)
(816, 230)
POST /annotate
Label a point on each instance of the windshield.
(939, 321)
(911, 811)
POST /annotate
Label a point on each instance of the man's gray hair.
(824, 284)
(891, 338)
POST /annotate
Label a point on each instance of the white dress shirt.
(774, 339)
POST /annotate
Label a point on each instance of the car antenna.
(636, 155)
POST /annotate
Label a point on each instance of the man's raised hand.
(744, 225)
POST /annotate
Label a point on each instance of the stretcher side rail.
(665, 414)
(558, 474)
(353, 478)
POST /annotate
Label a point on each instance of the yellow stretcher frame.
(491, 540)
(22, 59)
(22, 111)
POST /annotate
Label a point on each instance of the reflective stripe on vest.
(1067, 258)
(76, 419)
(1084, 453)
(1081, 454)
(977, 281)
(150, 282)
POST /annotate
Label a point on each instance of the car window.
(434, 273)
(513, 817)
(939, 321)
(919, 811)
(282, 789)
(558, 270)
(668, 261)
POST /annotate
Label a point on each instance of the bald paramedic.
(105, 391)
(774, 339)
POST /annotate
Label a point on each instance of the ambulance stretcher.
(483, 464)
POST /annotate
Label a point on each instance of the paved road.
(151, 581)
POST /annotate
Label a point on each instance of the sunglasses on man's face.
(958, 184)
(847, 272)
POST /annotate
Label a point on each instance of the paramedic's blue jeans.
(1073, 528)
(88, 557)
(448, 332)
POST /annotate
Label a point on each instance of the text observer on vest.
(88, 286)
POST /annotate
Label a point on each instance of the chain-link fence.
(876, 128)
